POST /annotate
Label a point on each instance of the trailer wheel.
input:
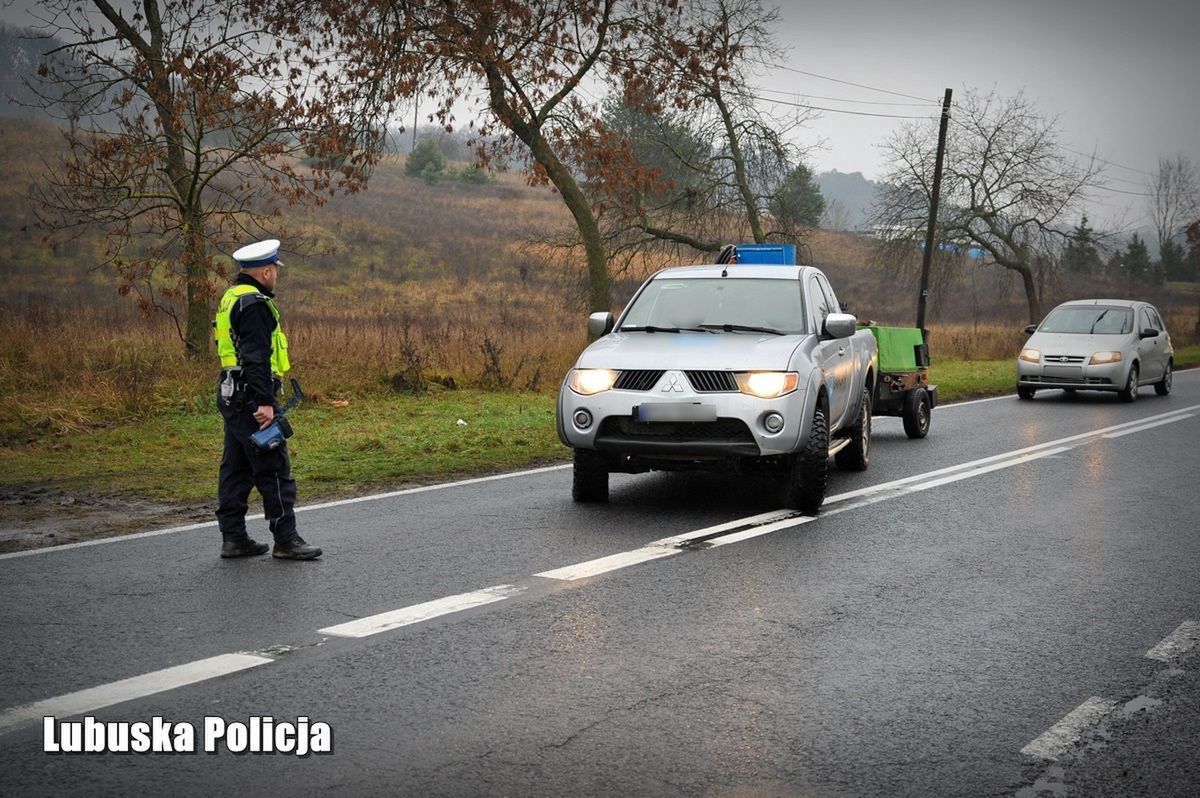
(808, 476)
(590, 479)
(857, 455)
(916, 413)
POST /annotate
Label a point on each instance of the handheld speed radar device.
(271, 438)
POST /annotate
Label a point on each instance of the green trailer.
(903, 388)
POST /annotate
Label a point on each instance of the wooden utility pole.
(927, 256)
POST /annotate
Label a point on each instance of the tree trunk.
(599, 298)
(198, 331)
(1031, 293)
(739, 171)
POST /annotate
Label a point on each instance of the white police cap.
(264, 253)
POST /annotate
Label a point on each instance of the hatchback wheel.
(1163, 386)
(1130, 392)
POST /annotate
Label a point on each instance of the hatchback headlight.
(1100, 358)
(1031, 355)
(590, 381)
(767, 384)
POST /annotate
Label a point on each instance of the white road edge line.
(106, 695)
(405, 616)
(305, 508)
(1186, 635)
(1149, 426)
(1053, 742)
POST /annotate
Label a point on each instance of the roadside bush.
(425, 161)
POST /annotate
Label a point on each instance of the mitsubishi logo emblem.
(672, 383)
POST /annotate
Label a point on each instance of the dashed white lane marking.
(405, 616)
(303, 509)
(1053, 742)
(613, 562)
(1186, 635)
(106, 695)
(1132, 430)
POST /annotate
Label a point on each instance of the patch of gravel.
(37, 516)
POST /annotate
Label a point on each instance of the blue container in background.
(767, 254)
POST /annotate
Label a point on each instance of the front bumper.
(739, 430)
(1106, 377)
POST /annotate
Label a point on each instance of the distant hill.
(848, 198)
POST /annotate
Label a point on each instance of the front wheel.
(1163, 386)
(1130, 392)
(1025, 393)
(856, 455)
(590, 480)
(808, 476)
(916, 413)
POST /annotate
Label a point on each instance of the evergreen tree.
(1081, 256)
(1175, 263)
(1138, 268)
(798, 202)
(426, 161)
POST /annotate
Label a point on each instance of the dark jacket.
(252, 324)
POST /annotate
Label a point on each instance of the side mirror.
(1148, 332)
(1030, 329)
(600, 324)
(840, 325)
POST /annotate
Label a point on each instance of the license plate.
(675, 411)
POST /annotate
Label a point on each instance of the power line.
(799, 94)
(836, 110)
(1110, 163)
(849, 83)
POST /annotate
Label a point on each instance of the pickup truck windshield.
(1089, 320)
(715, 303)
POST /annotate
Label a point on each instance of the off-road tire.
(1025, 393)
(1163, 386)
(857, 454)
(589, 481)
(1130, 392)
(917, 413)
(808, 476)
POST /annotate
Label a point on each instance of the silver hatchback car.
(1097, 345)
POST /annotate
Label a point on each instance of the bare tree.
(1174, 197)
(187, 120)
(528, 64)
(1008, 187)
(721, 161)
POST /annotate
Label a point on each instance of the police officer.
(253, 352)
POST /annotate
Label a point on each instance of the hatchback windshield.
(1089, 320)
(714, 303)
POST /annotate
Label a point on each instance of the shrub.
(427, 159)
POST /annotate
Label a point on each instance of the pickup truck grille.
(731, 430)
(637, 379)
(712, 381)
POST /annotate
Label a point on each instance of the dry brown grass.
(404, 287)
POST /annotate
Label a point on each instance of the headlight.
(767, 384)
(1101, 358)
(1031, 355)
(590, 381)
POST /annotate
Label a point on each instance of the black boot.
(243, 547)
(296, 549)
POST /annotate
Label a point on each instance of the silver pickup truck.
(746, 367)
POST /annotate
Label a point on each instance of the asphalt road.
(940, 629)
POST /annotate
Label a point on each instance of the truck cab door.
(833, 356)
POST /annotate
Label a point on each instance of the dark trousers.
(244, 467)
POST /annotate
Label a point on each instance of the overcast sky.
(1122, 75)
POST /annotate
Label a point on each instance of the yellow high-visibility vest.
(227, 347)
